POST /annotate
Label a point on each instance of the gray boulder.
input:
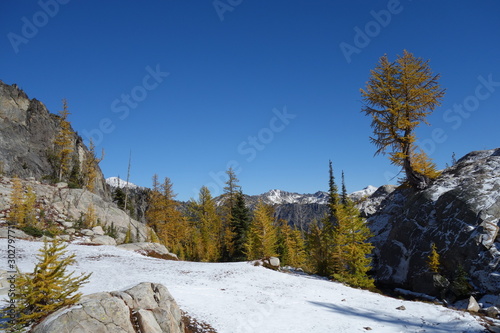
(103, 240)
(147, 307)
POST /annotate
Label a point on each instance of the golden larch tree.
(399, 96)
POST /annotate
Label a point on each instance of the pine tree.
(262, 236)
(399, 96)
(64, 143)
(49, 288)
(239, 224)
(229, 201)
(344, 197)
(333, 195)
(434, 259)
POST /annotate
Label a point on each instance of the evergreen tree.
(262, 236)
(240, 222)
(399, 96)
(64, 143)
(231, 191)
(333, 195)
(344, 197)
(49, 288)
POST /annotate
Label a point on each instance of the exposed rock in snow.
(459, 212)
(149, 306)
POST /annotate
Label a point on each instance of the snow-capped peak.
(118, 182)
(366, 192)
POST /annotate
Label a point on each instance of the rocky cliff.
(459, 212)
(27, 132)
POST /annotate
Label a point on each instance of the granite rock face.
(27, 132)
(459, 212)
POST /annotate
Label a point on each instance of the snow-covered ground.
(238, 297)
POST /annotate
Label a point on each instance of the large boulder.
(147, 307)
(459, 212)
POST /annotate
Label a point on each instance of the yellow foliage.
(63, 142)
(17, 210)
(434, 259)
(49, 287)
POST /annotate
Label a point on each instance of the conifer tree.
(343, 197)
(30, 207)
(239, 224)
(291, 246)
(64, 143)
(229, 201)
(91, 167)
(333, 195)
(262, 236)
(351, 248)
(49, 288)
(399, 96)
(319, 258)
(174, 230)
(154, 213)
(434, 259)
(17, 209)
(208, 225)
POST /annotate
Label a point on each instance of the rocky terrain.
(460, 213)
(27, 132)
(64, 212)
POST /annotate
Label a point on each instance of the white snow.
(238, 297)
(118, 182)
(366, 192)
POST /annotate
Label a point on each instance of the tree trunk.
(416, 179)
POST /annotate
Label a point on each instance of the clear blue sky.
(269, 86)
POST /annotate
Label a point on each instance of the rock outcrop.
(27, 132)
(147, 307)
(65, 209)
(459, 212)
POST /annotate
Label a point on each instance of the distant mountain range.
(298, 209)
